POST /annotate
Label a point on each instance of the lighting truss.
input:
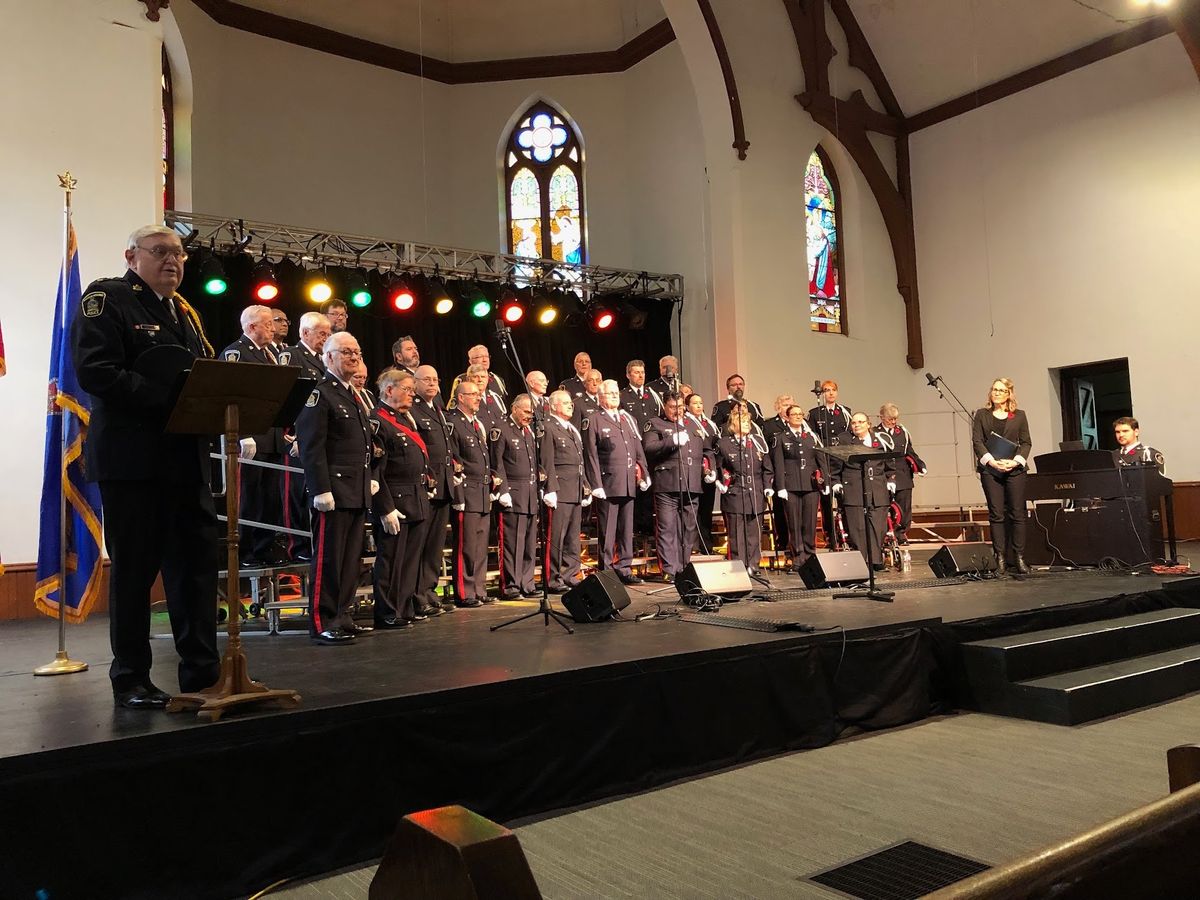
(327, 248)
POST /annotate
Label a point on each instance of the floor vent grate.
(901, 872)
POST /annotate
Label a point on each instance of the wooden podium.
(231, 398)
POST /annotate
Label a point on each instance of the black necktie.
(169, 303)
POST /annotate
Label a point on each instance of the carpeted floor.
(981, 786)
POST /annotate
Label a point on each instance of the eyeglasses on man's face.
(281, 319)
(350, 354)
(161, 252)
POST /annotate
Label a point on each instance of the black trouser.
(518, 553)
(704, 516)
(470, 555)
(827, 523)
(802, 525)
(295, 511)
(779, 522)
(1005, 493)
(904, 501)
(674, 529)
(745, 537)
(337, 558)
(433, 542)
(397, 564)
(614, 521)
(260, 502)
(857, 527)
(562, 544)
(151, 526)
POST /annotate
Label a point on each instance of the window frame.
(839, 256)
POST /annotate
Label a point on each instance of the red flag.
(3, 367)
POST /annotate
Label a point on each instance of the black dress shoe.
(486, 599)
(467, 604)
(391, 624)
(557, 589)
(631, 579)
(1021, 565)
(333, 636)
(1001, 566)
(667, 578)
(430, 612)
(355, 629)
(510, 597)
(141, 697)
(879, 567)
(448, 606)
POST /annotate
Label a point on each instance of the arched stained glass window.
(168, 135)
(826, 292)
(543, 174)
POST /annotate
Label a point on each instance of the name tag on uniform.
(146, 327)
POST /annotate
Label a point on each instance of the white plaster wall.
(79, 89)
(1059, 227)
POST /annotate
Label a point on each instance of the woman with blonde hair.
(1000, 437)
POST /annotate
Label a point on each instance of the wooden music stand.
(233, 398)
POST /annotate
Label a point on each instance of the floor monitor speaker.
(597, 597)
(963, 559)
(726, 578)
(822, 570)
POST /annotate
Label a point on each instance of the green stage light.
(212, 276)
(480, 308)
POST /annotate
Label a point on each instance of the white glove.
(324, 502)
(680, 438)
(892, 487)
(710, 477)
(505, 500)
(644, 484)
(770, 493)
(781, 494)
(294, 450)
(249, 448)
(599, 494)
(458, 507)
(586, 501)
(923, 472)
(837, 489)
(391, 522)
(374, 487)
(551, 500)
(722, 487)
(825, 490)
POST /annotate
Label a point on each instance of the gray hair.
(390, 376)
(148, 231)
(311, 320)
(251, 312)
(335, 342)
(523, 399)
(609, 385)
(890, 410)
(558, 398)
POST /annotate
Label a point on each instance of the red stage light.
(513, 313)
(266, 291)
(403, 300)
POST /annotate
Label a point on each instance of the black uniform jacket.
(437, 435)
(878, 473)
(573, 386)
(473, 466)
(243, 351)
(721, 411)
(829, 423)
(515, 465)
(747, 470)
(562, 462)
(796, 462)
(119, 320)
(904, 467)
(675, 468)
(1015, 428)
(401, 469)
(614, 453)
(643, 404)
(335, 445)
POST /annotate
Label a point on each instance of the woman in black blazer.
(1004, 478)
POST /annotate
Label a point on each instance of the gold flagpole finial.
(67, 181)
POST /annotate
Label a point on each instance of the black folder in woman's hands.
(1000, 447)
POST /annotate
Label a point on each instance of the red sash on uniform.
(391, 417)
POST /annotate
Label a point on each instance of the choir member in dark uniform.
(615, 467)
(479, 356)
(907, 468)
(880, 476)
(798, 483)
(736, 386)
(154, 486)
(306, 353)
(771, 429)
(400, 505)
(745, 480)
(405, 355)
(565, 493)
(574, 384)
(492, 409)
(1130, 449)
(677, 460)
(537, 384)
(334, 434)
(261, 498)
(708, 433)
(338, 314)
(643, 403)
(667, 381)
(830, 420)
(472, 501)
(436, 432)
(1004, 479)
(589, 401)
(515, 482)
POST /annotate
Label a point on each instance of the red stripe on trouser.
(458, 566)
(730, 520)
(319, 555)
(500, 549)
(287, 508)
(549, 532)
(661, 566)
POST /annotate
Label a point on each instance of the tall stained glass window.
(543, 181)
(826, 301)
(168, 135)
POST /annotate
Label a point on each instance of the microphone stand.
(957, 406)
(504, 334)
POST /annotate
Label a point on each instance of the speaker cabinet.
(727, 578)
(451, 853)
(822, 570)
(963, 559)
(597, 597)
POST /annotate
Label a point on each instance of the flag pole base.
(62, 665)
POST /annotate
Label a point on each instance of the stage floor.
(458, 651)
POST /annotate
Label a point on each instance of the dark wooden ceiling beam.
(1068, 62)
(1185, 19)
(740, 144)
(325, 40)
(863, 58)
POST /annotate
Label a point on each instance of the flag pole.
(63, 664)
